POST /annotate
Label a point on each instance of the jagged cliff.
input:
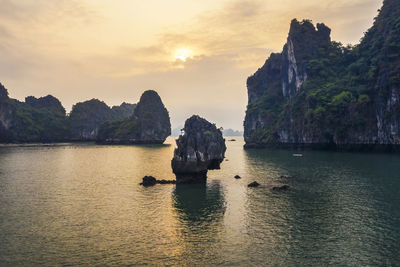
(320, 93)
(149, 123)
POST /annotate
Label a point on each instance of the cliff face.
(149, 123)
(318, 92)
(152, 117)
(381, 49)
(6, 111)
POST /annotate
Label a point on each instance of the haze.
(196, 54)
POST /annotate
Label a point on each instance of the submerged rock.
(166, 181)
(253, 184)
(281, 188)
(200, 148)
(149, 181)
(237, 177)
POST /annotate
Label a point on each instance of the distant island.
(227, 132)
(231, 132)
(44, 119)
(319, 93)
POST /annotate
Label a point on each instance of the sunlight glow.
(183, 54)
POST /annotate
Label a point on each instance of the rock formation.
(6, 111)
(35, 120)
(86, 117)
(320, 93)
(149, 124)
(48, 102)
(200, 148)
(44, 119)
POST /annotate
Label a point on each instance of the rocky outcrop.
(35, 120)
(319, 93)
(283, 74)
(199, 149)
(149, 124)
(48, 102)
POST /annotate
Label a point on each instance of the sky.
(196, 54)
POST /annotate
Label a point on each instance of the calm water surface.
(74, 205)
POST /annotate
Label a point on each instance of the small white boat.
(297, 155)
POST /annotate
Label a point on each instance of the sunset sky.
(196, 54)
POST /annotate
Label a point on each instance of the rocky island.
(319, 93)
(149, 124)
(200, 148)
(35, 120)
(86, 118)
(44, 119)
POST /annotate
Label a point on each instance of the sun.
(183, 54)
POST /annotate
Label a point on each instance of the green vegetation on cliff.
(149, 123)
(344, 94)
(45, 120)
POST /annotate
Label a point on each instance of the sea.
(82, 205)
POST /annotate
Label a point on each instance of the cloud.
(76, 50)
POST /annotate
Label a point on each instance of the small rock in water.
(237, 177)
(166, 181)
(281, 188)
(253, 184)
(149, 181)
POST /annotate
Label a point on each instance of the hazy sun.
(183, 54)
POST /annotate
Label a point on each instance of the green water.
(79, 205)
